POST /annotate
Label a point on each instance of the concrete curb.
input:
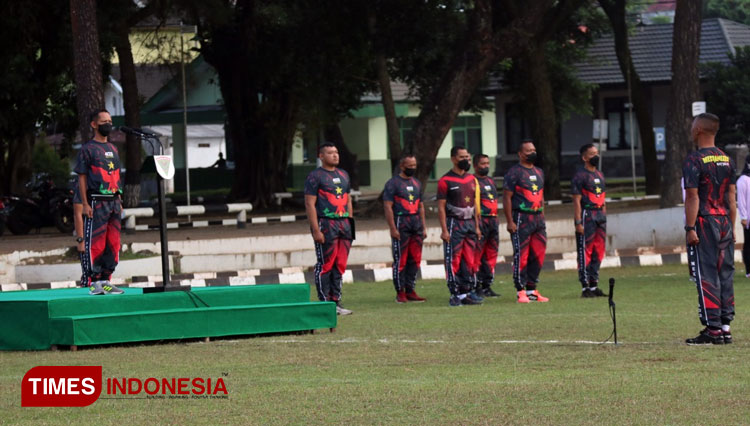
(367, 273)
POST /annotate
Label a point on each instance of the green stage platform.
(42, 319)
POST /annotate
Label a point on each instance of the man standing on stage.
(98, 168)
(406, 219)
(523, 202)
(458, 196)
(710, 212)
(488, 224)
(590, 219)
(329, 211)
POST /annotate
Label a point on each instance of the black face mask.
(464, 165)
(105, 129)
(410, 172)
(531, 158)
(594, 161)
(484, 171)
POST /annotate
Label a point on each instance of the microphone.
(136, 131)
(611, 289)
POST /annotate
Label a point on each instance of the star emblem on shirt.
(598, 190)
(338, 190)
(534, 187)
(490, 196)
(111, 165)
(411, 197)
(467, 199)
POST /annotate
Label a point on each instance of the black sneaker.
(469, 301)
(587, 293)
(597, 292)
(454, 301)
(705, 337)
(727, 335)
(489, 293)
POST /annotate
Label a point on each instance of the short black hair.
(324, 145)
(524, 141)
(93, 116)
(455, 149)
(585, 148)
(479, 157)
(405, 156)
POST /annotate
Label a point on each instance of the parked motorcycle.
(3, 214)
(47, 205)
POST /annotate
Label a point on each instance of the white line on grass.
(476, 342)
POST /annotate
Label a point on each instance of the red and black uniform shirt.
(590, 186)
(711, 171)
(100, 162)
(488, 194)
(527, 186)
(404, 194)
(460, 193)
(332, 189)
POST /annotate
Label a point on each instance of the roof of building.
(651, 47)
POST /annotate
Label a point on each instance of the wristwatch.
(79, 239)
(577, 222)
(689, 228)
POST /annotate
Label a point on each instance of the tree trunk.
(87, 63)
(615, 10)
(471, 62)
(540, 111)
(347, 159)
(261, 135)
(132, 117)
(261, 124)
(685, 90)
(391, 121)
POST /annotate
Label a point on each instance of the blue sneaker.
(475, 297)
(468, 300)
(454, 301)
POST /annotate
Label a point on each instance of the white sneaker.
(342, 311)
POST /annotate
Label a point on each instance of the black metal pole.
(614, 321)
(163, 230)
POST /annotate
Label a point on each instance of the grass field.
(500, 363)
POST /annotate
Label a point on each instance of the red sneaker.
(414, 297)
(537, 297)
(401, 297)
(522, 297)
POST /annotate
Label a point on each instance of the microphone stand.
(150, 138)
(612, 308)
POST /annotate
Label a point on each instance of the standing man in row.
(405, 215)
(457, 196)
(590, 220)
(488, 225)
(329, 210)
(98, 169)
(523, 202)
(710, 212)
